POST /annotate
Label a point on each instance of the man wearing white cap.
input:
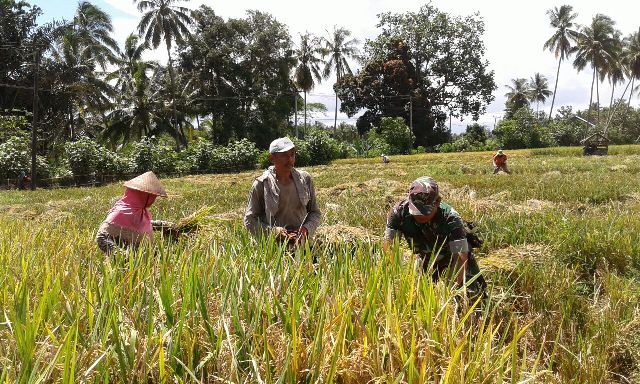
(283, 200)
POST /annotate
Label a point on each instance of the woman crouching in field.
(129, 222)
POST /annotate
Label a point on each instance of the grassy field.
(561, 256)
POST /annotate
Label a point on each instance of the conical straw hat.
(147, 182)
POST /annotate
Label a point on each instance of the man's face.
(283, 161)
(426, 218)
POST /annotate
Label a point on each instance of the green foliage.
(82, 156)
(111, 164)
(321, 147)
(522, 132)
(237, 156)
(396, 134)
(405, 58)
(149, 155)
(15, 158)
(13, 126)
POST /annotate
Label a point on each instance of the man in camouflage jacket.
(433, 229)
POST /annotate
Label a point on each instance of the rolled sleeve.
(392, 229)
(255, 210)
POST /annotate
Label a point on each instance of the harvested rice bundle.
(187, 224)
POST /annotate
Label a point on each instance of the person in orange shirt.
(500, 162)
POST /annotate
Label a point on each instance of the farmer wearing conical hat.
(434, 230)
(283, 200)
(500, 162)
(129, 222)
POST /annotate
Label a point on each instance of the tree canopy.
(424, 66)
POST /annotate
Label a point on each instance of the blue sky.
(59, 9)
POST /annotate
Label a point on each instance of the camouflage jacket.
(444, 230)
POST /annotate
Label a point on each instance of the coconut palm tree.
(518, 95)
(339, 48)
(309, 57)
(165, 21)
(128, 63)
(631, 59)
(92, 30)
(539, 90)
(560, 42)
(597, 46)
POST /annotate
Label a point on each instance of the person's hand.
(302, 236)
(280, 232)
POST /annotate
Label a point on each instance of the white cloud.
(514, 36)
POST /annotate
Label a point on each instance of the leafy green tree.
(539, 90)
(128, 62)
(242, 71)
(560, 42)
(517, 97)
(309, 57)
(166, 21)
(407, 73)
(598, 46)
(340, 48)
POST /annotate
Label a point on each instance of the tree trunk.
(555, 89)
(295, 112)
(173, 98)
(305, 113)
(593, 79)
(335, 117)
(598, 100)
(633, 79)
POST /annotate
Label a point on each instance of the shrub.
(82, 156)
(13, 126)
(148, 155)
(15, 157)
(111, 164)
(322, 148)
(241, 155)
(396, 134)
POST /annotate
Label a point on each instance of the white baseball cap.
(282, 144)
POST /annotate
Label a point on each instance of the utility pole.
(295, 111)
(34, 122)
(411, 113)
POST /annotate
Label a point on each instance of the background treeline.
(233, 85)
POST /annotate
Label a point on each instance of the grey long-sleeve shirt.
(264, 202)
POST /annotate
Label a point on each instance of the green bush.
(13, 126)
(198, 156)
(322, 148)
(396, 134)
(303, 156)
(111, 164)
(236, 156)
(82, 156)
(148, 155)
(15, 157)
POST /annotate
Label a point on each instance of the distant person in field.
(283, 200)
(23, 180)
(436, 232)
(500, 162)
(385, 158)
(129, 222)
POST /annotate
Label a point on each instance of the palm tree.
(560, 42)
(339, 48)
(597, 46)
(92, 28)
(631, 59)
(308, 56)
(128, 63)
(539, 90)
(518, 95)
(166, 21)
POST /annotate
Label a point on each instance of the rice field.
(561, 255)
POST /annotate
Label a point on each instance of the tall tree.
(560, 42)
(631, 59)
(410, 74)
(128, 62)
(597, 46)
(309, 56)
(517, 97)
(92, 30)
(340, 49)
(539, 90)
(163, 20)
